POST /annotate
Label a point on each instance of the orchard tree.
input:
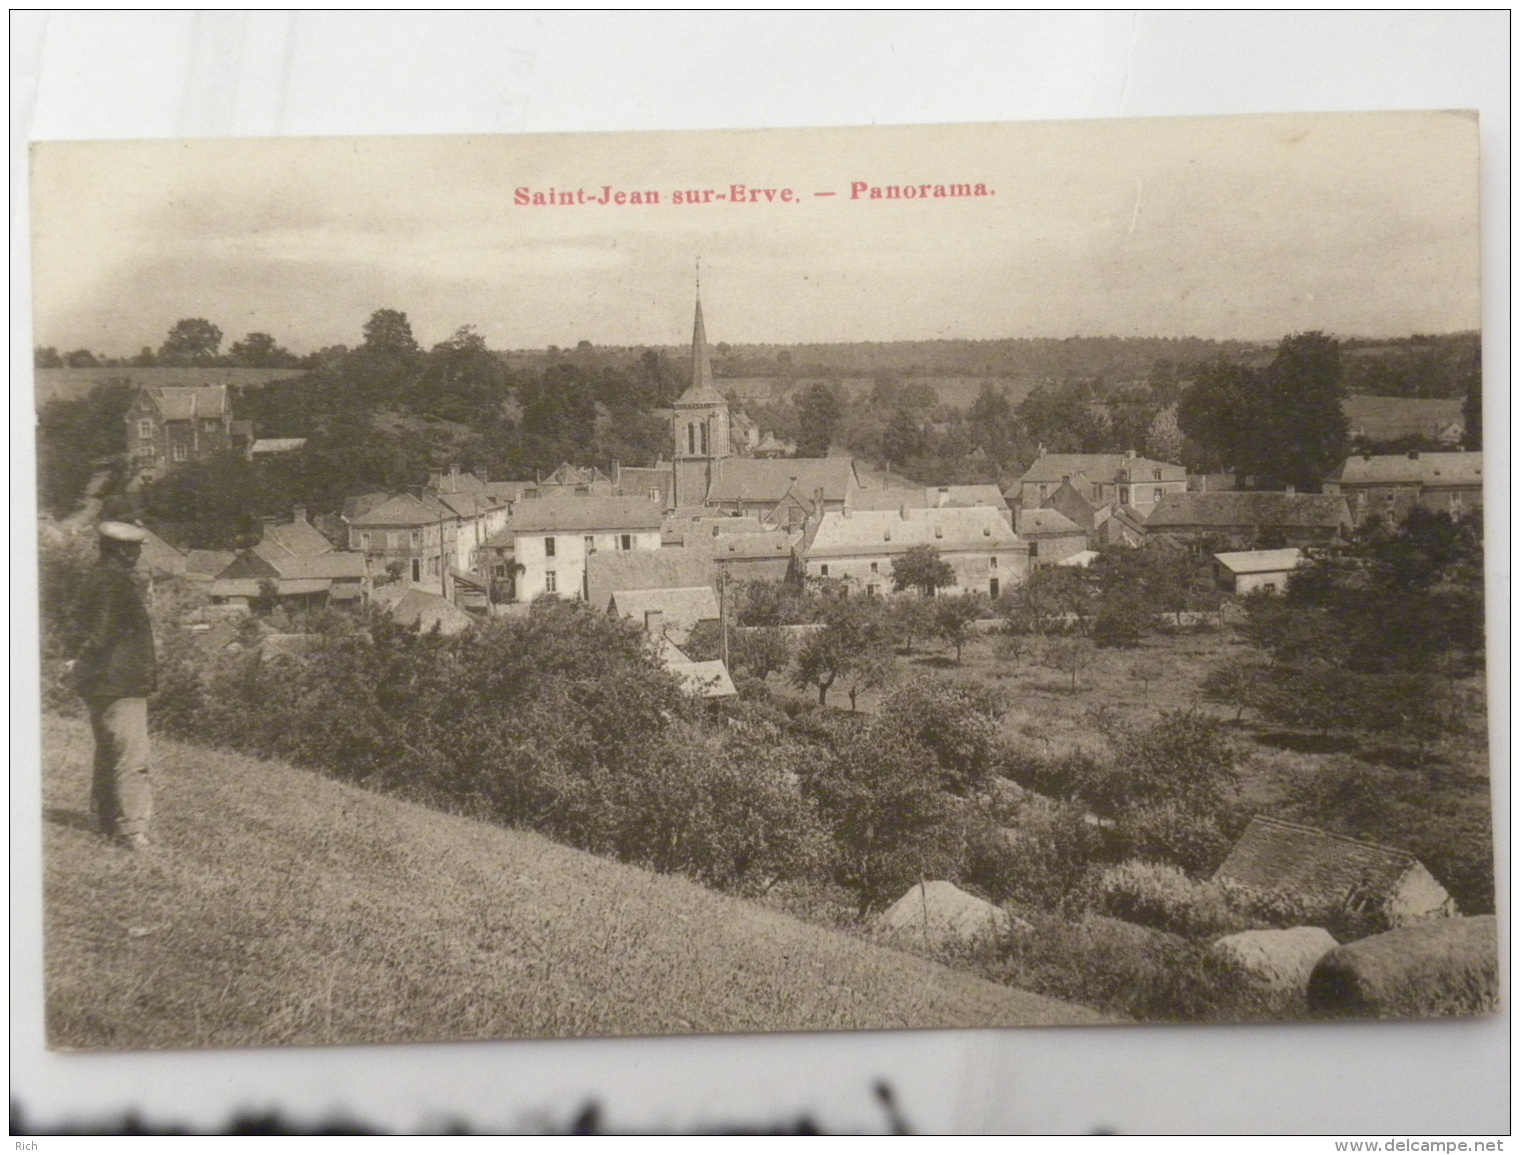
(922, 569)
(853, 644)
(192, 341)
(953, 618)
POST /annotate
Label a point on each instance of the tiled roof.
(747, 546)
(1260, 510)
(335, 565)
(1260, 560)
(1431, 470)
(573, 512)
(844, 533)
(680, 609)
(1320, 866)
(965, 495)
(182, 403)
(1046, 523)
(894, 499)
(752, 479)
(1099, 467)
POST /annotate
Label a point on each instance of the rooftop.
(1103, 468)
(754, 479)
(1283, 855)
(1425, 469)
(576, 512)
(1260, 560)
(1263, 509)
(847, 532)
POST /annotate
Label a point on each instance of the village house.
(1248, 571)
(1374, 420)
(336, 577)
(859, 547)
(1389, 486)
(172, 424)
(408, 537)
(546, 541)
(671, 567)
(1251, 520)
(1118, 479)
(1334, 876)
(1051, 536)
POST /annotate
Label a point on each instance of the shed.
(1335, 876)
(1247, 571)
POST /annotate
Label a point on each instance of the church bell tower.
(699, 423)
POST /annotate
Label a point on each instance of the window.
(872, 590)
(416, 569)
(364, 540)
(1124, 496)
(551, 582)
(1156, 495)
(939, 532)
(145, 427)
(549, 547)
(1156, 474)
(992, 588)
(180, 453)
(208, 426)
(691, 439)
(416, 538)
(823, 570)
(704, 439)
(625, 542)
(590, 544)
(1034, 550)
(992, 563)
(875, 567)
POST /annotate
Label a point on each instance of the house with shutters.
(859, 547)
(406, 536)
(170, 425)
(546, 542)
(1112, 479)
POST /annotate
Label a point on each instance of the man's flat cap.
(121, 531)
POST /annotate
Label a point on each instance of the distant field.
(1388, 418)
(957, 391)
(67, 384)
(290, 909)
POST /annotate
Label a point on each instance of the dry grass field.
(285, 908)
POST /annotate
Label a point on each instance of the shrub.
(1163, 897)
(1169, 834)
(1043, 860)
(954, 722)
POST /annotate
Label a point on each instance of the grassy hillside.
(287, 908)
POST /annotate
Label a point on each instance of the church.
(707, 471)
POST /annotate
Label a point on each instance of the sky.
(1225, 227)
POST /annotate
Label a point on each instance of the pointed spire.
(701, 362)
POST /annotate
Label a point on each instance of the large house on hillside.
(1389, 486)
(407, 535)
(859, 547)
(171, 424)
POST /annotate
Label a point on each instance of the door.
(992, 588)
(416, 571)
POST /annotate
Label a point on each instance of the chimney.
(1129, 455)
(817, 500)
(1041, 452)
(485, 476)
(654, 621)
(454, 477)
(298, 513)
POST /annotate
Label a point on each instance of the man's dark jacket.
(117, 660)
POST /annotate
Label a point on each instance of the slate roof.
(893, 499)
(1046, 523)
(704, 679)
(1428, 470)
(1260, 560)
(184, 403)
(1315, 864)
(207, 563)
(1102, 468)
(276, 445)
(748, 546)
(681, 609)
(249, 587)
(576, 512)
(293, 539)
(965, 495)
(1258, 510)
(424, 610)
(755, 479)
(846, 533)
(645, 569)
(401, 510)
(337, 565)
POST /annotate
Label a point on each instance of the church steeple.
(701, 362)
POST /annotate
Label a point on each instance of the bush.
(1043, 860)
(1163, 897)
(1169, 834)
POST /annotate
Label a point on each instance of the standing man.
(115, 674)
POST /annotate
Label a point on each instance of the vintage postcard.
(796, 580)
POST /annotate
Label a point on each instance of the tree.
(953, 618)
(1472, 412)
(46, 357)
(818, 412)
(388, 333)
(1282, 425)
(956, 723)
(852, 643)
(921, 568)
(903, 439)
(80, 359)
(1068, 655)
(191, 341)
(259, 351)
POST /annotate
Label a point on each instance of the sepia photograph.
(787, 580)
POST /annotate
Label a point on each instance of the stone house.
(1390, 485)
(546, 542)
(172, 424)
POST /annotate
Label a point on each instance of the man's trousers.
(121, 796)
